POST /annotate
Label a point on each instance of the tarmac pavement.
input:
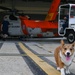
(12, 62)
(12, 65)
(45, 48)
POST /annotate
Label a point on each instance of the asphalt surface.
(14, 61)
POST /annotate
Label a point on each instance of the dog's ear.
(62, 43)
(73, 44)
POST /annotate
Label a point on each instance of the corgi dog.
(64, 55)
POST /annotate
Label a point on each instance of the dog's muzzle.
(68, 53)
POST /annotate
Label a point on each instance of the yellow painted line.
(48, 69)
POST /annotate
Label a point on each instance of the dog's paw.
(58, 68)
(63, 73)
(67, 72)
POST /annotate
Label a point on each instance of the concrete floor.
(11, 63)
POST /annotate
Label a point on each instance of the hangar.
(34, 8)
(42, 23)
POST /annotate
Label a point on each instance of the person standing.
(4, 27)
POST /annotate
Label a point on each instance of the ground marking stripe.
(14, 54)
(41, 63)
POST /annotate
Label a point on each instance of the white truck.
(69, 31)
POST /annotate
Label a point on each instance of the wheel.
(71, 37)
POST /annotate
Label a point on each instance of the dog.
(64, 55)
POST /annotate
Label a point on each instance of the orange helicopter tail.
(52, 13)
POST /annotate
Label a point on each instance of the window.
(72, 11)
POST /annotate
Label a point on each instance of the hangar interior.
(33, 8)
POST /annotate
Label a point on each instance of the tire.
(71, 37)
